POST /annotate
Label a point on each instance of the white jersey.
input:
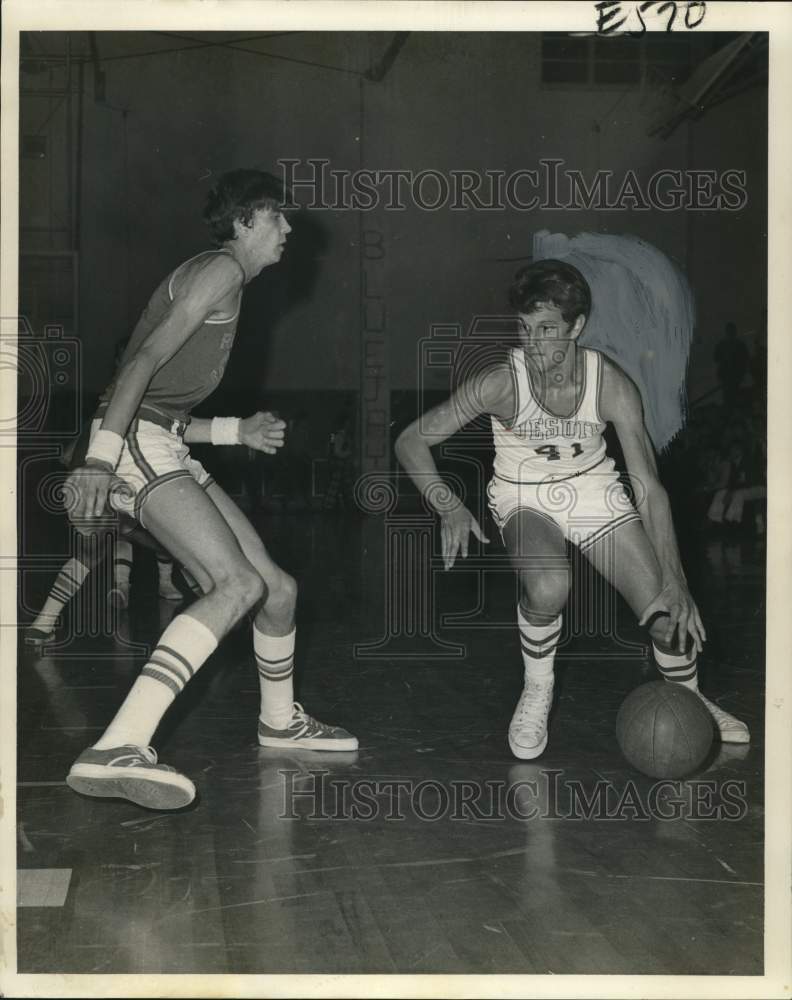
(541, 447)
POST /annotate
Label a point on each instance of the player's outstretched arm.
(493, 393)
(620, 403)
(197, 298)
(261, 431)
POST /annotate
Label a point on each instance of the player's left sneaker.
(731, 729)
(35, 639)
(528, 728)
(307, 733)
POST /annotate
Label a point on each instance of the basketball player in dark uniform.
(139, 460)
(549, 402)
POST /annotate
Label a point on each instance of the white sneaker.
(528, 728)
(731, 729)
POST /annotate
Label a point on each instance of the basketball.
(664, 730)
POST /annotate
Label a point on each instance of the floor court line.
(42, 886)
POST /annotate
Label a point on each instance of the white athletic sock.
(66, 585)
(539, 644)
(275, 663)
(680, 668)
(183, 648)
(164, 568)
(122, 562)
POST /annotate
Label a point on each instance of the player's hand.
(86, 492)
(684, 617)
(456, 526)
(263, 432)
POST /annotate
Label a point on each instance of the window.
(617, 60)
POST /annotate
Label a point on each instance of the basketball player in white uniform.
(554, 482)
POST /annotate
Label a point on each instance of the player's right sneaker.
(306, 733)
(131, 773)
(528, 729)
(731, 729)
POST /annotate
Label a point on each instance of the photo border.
(344, 15)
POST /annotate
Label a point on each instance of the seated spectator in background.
(708, 470)
(340, 463)
(758, 362)
(740, 481)
(296, 464)
(732, 358)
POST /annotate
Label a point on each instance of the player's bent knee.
(242, 587)
(545, 596)
(254, 589)
(283, 595)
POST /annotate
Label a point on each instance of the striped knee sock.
(275, 663)
(66, 585)
(539, 644)
(167, 588)
(164, 567)
(122, 562)
(183, 648)
(681, 668)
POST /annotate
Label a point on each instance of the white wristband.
(225, 430)
(105, 447)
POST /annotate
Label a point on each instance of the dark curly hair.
(551, 282)
(237, 195)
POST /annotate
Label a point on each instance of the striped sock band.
(681, 668)
(66, 585)
(539, 644)
(275, 664)
(164, 563)
(122, 562)
(165, 572)
(184, 647)
(191, 582)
